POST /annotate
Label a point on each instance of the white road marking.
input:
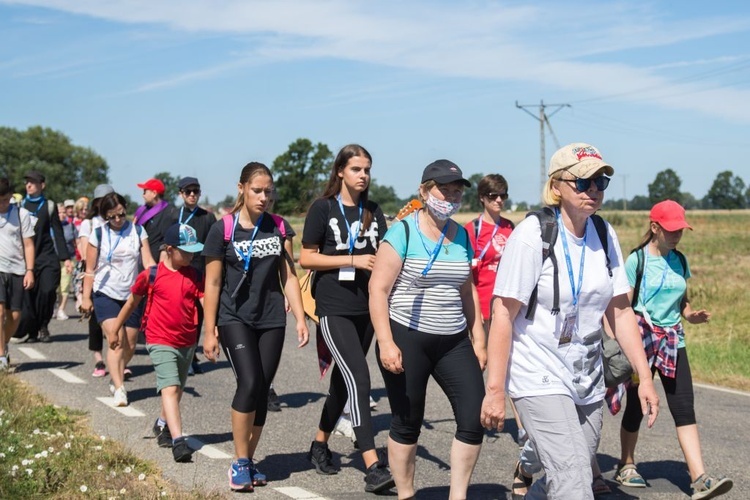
(722, 389)
(32, 353)
(299, 493)
(128, 411)
(207, 449)
(66, 376)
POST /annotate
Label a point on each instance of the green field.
(719, 254)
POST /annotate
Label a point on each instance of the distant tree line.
(300, 173)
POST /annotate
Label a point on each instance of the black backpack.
(548, 224)
(639, 272)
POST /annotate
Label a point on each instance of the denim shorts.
(170, 364)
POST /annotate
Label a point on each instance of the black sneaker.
(273, 401)
(378, 478)
(322, 459)
(163, 436)
(44, 335)
(180, 450)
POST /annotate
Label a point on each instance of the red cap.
(153, 185)
(670, 215)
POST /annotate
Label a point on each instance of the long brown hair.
(645, 240)
(249, 171)
(333, 187)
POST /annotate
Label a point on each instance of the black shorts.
(11, 291)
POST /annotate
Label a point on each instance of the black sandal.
(520, 481)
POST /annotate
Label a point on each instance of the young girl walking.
(342, 232)
(246, 268)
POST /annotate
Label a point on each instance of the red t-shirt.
(172, 310)
(484, 269)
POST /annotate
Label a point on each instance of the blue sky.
(202, 87)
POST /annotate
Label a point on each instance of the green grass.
(719, 254)
(49, 452)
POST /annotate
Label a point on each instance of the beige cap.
(580, 159)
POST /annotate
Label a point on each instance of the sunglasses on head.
(191, 191)
(494, 196)
(116, 216)
(582, 185)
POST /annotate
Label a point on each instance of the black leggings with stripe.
(254, 356)
(349, 338)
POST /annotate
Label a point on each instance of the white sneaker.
(121, 397)
(61, 316)
(4, 364)
(373, 404)
(344, 427)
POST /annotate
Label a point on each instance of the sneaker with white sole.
(373, 404)
(4, 364)
(239, 475)
(100, 370)
(120, 397)
(61, 316)
(344, 427)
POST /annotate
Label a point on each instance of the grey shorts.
(11, 291)
(170, 364)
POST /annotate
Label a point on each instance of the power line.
(543, 118)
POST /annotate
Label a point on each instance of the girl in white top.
(111, 268)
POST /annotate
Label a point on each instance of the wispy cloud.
(557, 44)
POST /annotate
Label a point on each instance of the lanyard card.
(347, 273)
(568, 329)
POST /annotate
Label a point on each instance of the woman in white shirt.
(111, 267)
(553, 361)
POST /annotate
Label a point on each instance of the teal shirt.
(661, 300)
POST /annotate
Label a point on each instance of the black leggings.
(254, 356)
(349, 338)
(679, 391)
(451, 361)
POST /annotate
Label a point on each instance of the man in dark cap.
(50, 249)
(201, 220)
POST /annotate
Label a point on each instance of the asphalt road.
(62, 372)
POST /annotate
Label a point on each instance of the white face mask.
(441, 209)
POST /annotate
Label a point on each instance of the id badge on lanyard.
(570, 322)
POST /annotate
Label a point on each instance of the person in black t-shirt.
(153, 215)
(246, 268)
(341, 235)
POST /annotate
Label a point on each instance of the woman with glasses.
(112, 255)
(545, 337)
(658, 274)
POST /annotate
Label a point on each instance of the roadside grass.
(49, 452)
(718, 251)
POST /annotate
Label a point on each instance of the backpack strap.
(98, 232)
(227, 219)
(279, 221)
(548, 226)
(601, 230)
(639, 271)
(149, 296)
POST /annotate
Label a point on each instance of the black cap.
(444, 172)
(188, 181)
(35, 176)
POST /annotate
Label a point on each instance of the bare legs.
(245, 435)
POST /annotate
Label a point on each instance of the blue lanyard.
(644, 285)
(34, 200)
(117, 241)
(489, 242)
(436, 250)
(561, 230)
(246, 256)
(189, 216)
(352, 234)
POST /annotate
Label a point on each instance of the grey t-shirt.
(13, 223)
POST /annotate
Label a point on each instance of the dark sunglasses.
(494, 196)
(116, 216)
(582, 185)
(188, 192)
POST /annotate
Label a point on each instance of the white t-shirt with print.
(88, 225)
(117, 265)
(538, 365)
(11, 245)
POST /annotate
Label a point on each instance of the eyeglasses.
(189, 192)
(116, 216)
(582, 185)
(494, 196)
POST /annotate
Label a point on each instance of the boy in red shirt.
(170, 319)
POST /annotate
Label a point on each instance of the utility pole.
(543, 119)
(624, 193)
